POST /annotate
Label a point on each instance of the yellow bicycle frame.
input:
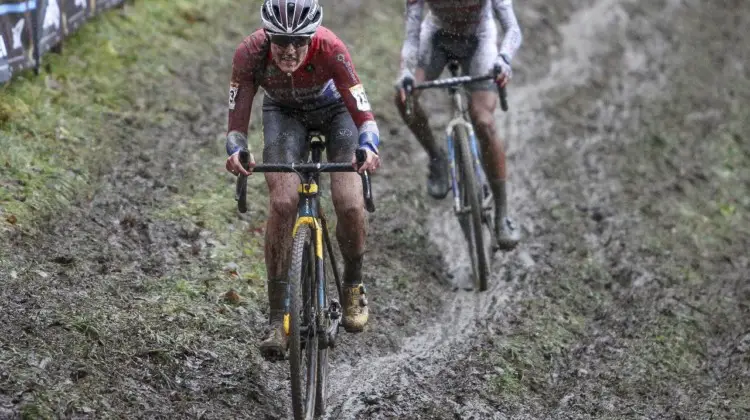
(307, 214)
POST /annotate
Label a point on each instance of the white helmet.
(291, 17)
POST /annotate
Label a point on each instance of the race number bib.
(233, 88)
(358, 91)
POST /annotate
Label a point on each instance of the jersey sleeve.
(410, 49)
(512, 37)
(350, 87)
(242, 87)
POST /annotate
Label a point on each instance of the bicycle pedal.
(487, 191)
(334, 310)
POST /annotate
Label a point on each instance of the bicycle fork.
(307, 215)
(477, 163)
(334, 310)
(326, 321)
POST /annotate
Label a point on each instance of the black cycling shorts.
(285, 132)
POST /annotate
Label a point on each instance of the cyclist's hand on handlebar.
(403, 82)
(234, 166)
(503, 72)
(371, 163)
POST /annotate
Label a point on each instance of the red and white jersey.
(325, 76)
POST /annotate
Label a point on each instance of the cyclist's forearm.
(512, 36)
(351, 89)
(410, 48)
(242, 90)
(235, 142)
(240, 103)
(369, 136)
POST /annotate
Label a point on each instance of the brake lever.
(361, 155)
(501, 90)
(240, 194)
(408, 89)
(503, 98)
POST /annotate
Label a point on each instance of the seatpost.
(316, 145)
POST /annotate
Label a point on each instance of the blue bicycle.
(473, 203)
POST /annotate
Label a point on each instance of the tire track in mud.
(391, 376)
(396, 383)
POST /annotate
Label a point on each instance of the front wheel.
(303, 348)
(471, 203)
(321, 394)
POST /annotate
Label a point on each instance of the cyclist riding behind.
(463, 30)
(310, 84)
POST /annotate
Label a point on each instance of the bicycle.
(310, 317)
(468, 180)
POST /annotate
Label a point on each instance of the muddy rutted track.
(585, 74)
(418, 380)
(601, 313)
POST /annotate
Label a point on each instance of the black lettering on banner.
(49, 24)
(75, 13)
(15, 36)
(30, 28)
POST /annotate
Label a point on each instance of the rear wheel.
(471, 200)
(303, 348)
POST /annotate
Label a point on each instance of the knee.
(283, 206)
(351, 211)
(483, 118)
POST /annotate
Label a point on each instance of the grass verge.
(58, 130)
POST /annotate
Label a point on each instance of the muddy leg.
(278, 243)
(482, 109)
(437, 182)
(351, 232)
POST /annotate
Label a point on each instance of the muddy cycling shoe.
(273, 347)
(507, 234)
(438, 181)
(356, 312)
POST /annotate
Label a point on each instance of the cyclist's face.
(290, 56)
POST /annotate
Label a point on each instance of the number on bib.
(358, 91)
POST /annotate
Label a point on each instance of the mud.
(595, 315)
(585, 76)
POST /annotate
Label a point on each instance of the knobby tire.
(301, 288)
(471, 198)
